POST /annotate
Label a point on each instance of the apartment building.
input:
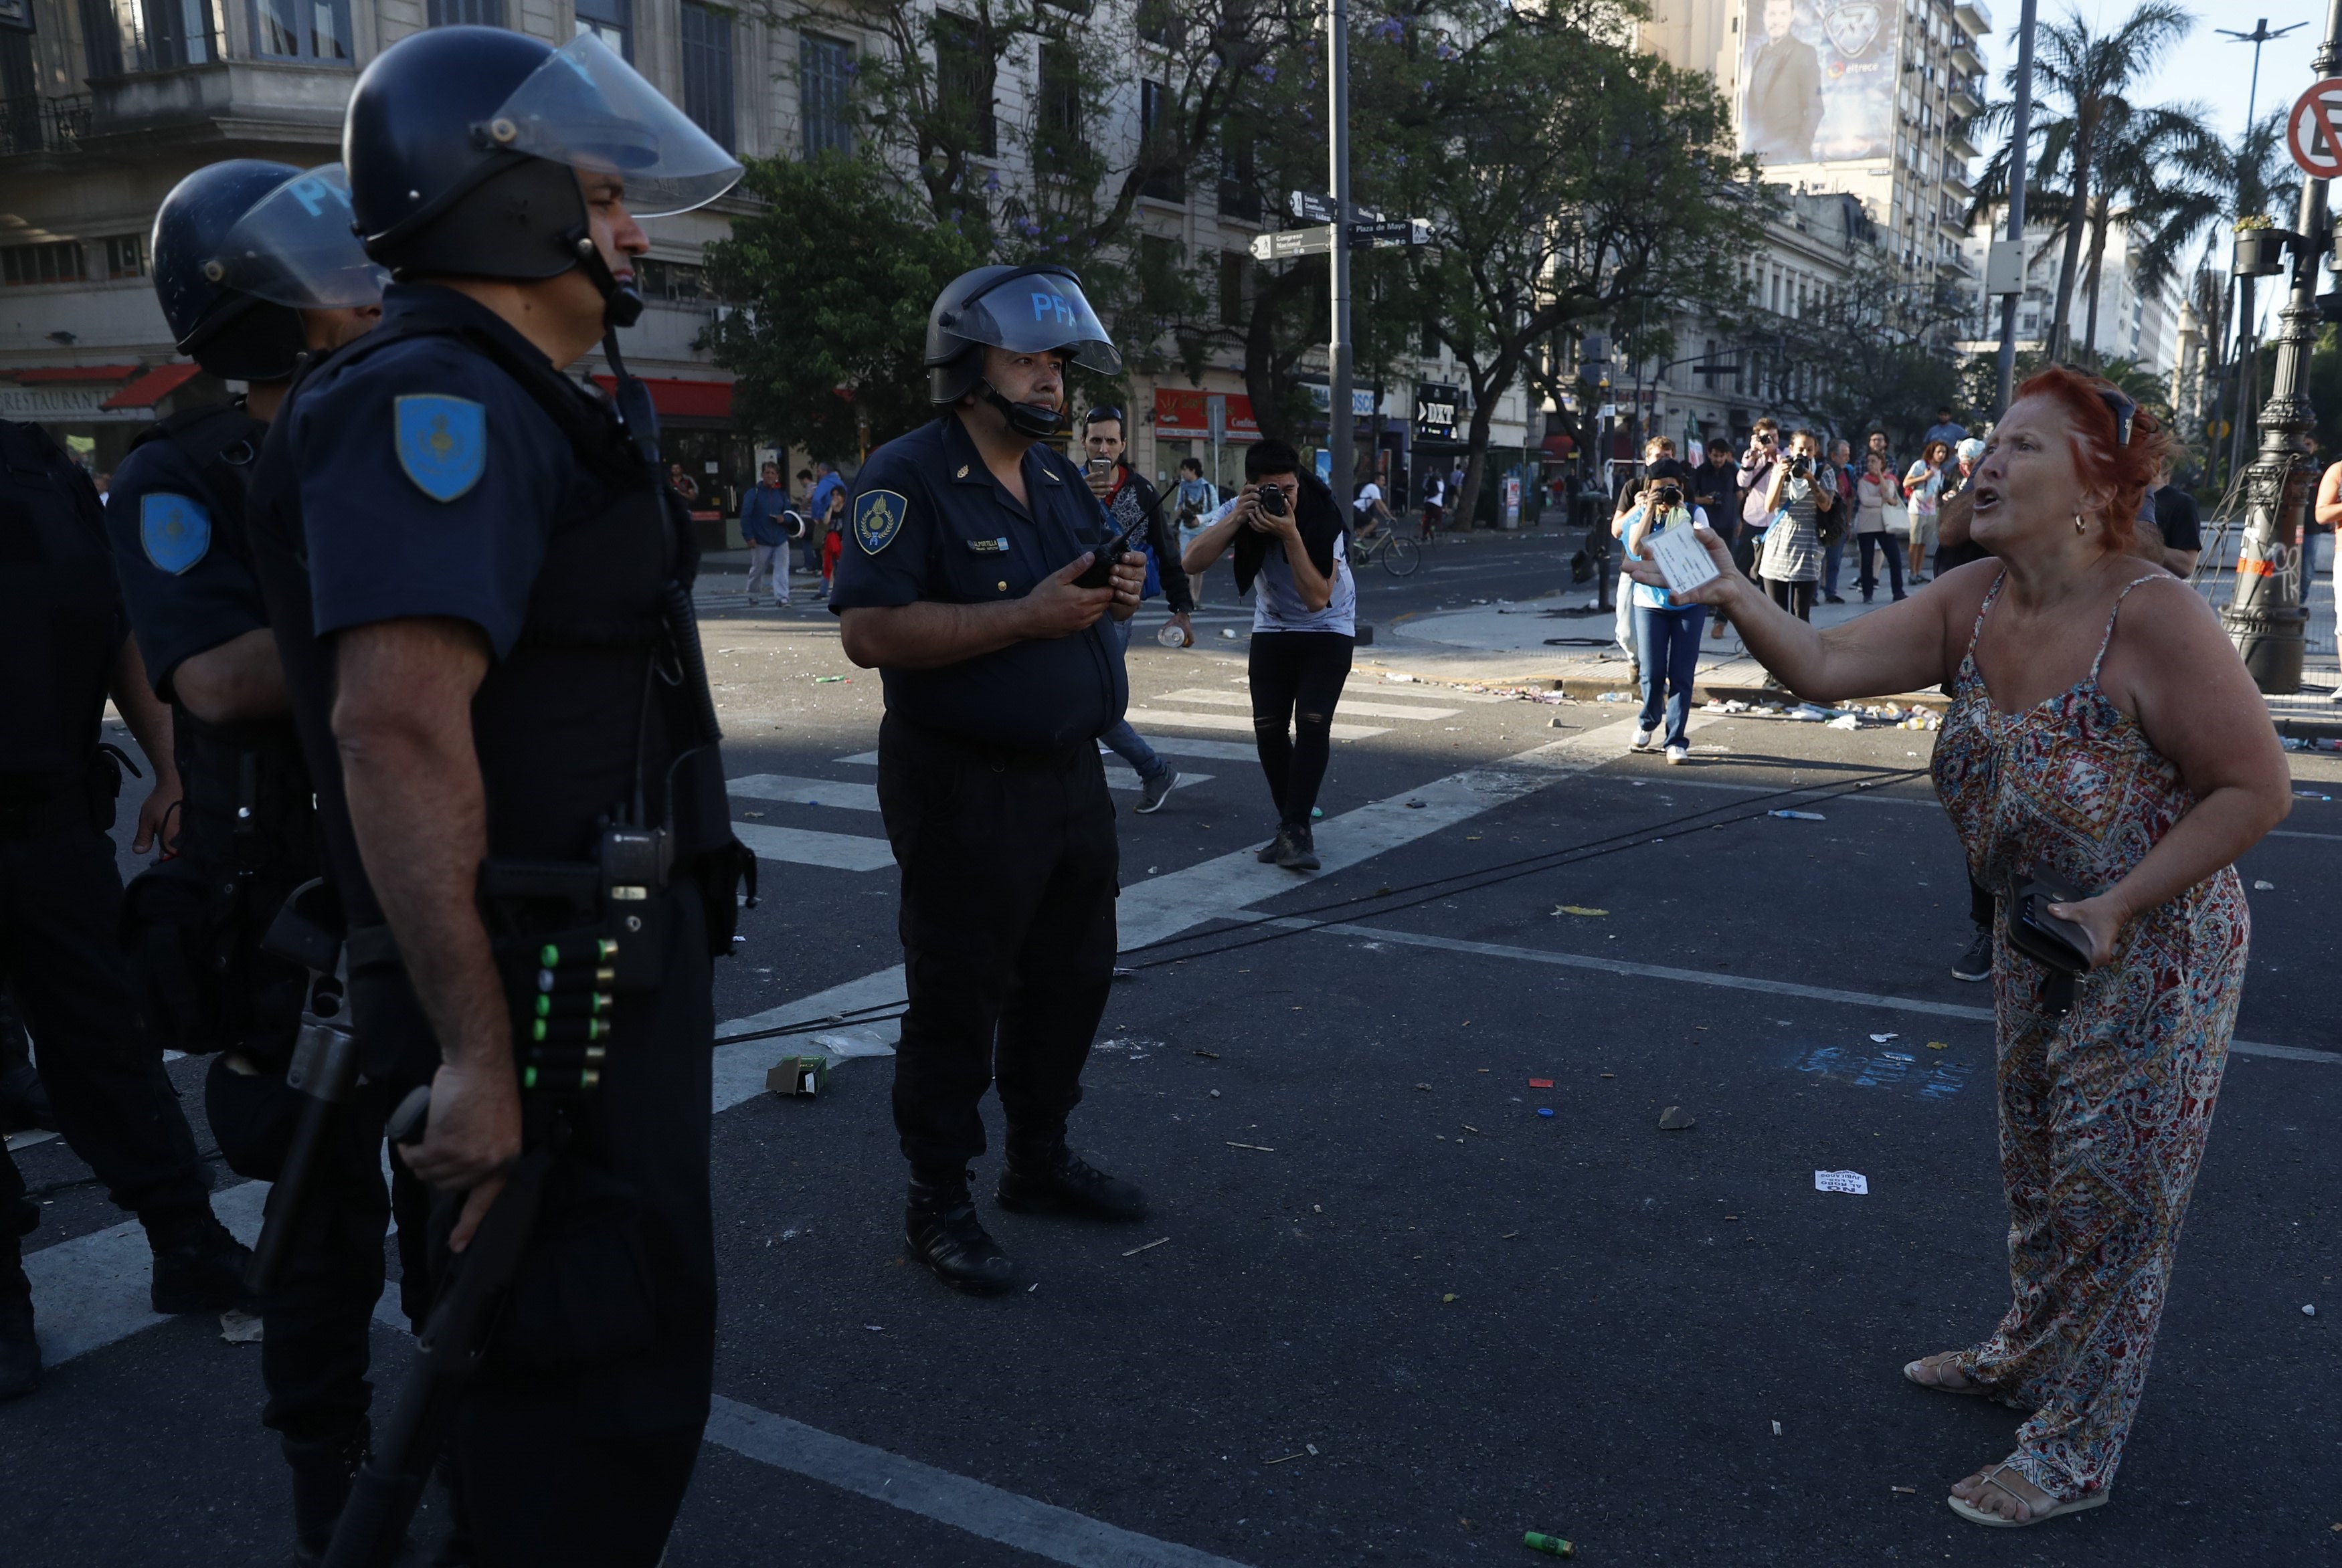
(2136, 321)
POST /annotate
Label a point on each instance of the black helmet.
(462, 145)
(1023, 309)
(225, 330)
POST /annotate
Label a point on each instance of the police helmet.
(1022, 309)
(294, 246)
(462, 145)
(227, 330)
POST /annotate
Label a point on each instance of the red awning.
(1180, 415)
(682, 399)
(1558, 446)
(154, 386)
(48, 375)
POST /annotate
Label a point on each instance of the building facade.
(2138, 320)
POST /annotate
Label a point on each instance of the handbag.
(2059, 946)
(1898, 518)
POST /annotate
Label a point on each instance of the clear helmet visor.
(296, 248)
(589, 109)
(1034, 312)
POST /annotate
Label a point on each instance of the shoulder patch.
(176, 530)
(443, 443)
(878, 516)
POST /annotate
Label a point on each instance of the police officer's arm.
(240, 680)
(926, 635)
(150, 725)
(402, 722)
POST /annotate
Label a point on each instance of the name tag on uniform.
(989, 546)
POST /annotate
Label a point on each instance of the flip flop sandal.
(1911, 1368)
(1975, 1515)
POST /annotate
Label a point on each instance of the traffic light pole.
(2268, 614)
(1341, 469)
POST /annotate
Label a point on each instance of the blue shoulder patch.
(176, 530)
(443, 443)
(878, 516)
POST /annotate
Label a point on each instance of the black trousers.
(1888, 545)
(1297, 678)
(1009, 876)
(61, 959)
(1797, 598)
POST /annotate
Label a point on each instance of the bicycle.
(1399, 555)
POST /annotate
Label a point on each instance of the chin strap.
(621, 305)
(633, 400)
(1037, 420)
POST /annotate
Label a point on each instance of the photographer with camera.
(1791, 562)
(1137, 510)
(1666, 633)
(1287, 531)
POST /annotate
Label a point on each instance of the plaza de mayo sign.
(73, 402)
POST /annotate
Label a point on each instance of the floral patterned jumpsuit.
(2103, 1112)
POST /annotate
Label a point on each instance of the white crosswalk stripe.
(1346, 706)
(1143, 719)
(805, 846)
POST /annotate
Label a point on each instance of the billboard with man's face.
(1817, 79)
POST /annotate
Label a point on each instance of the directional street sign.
(1310, 241)
(1391, 232)
(1312, 206)
(2313, 131)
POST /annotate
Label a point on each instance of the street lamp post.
(2244, 376)
(2267, 616)
(1341, 469)
(2020, 151)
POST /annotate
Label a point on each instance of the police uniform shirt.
(926, 520)
(431, 482)
(60, 618)
(178, 543)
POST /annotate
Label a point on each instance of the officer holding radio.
(979, 579)
(481, 592)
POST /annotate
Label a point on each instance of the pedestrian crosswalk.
(1349, 705)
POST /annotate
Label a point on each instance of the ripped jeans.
(1297, 679)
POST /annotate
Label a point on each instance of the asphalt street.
(1389, 1308)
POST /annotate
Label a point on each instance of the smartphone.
(1099, 467)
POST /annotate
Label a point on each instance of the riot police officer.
(481, 594)
(964, 582)
(246, 838)
(65, 647)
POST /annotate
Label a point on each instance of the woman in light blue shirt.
(1666, 634)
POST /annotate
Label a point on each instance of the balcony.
(30, 126)
(1973, 18)
(266, 100)
(1963, 103)
(1965, 58)
(1956, 144)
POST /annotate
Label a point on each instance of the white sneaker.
(1678, 754)
(1643, 739)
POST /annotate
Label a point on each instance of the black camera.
(1669, 495)
(1272, 499)
(1802, 466)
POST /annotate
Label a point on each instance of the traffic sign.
(1391, 232)
(2313, 133)
(1310, 241)
(1312, 206)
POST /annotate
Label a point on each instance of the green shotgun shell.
(1551, 1545)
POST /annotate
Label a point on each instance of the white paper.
(1841, 1182)
(1680, 554)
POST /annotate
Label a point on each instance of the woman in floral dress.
(2103, 729)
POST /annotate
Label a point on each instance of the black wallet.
(2060, 946)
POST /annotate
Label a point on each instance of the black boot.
(322, 1472)
(20, 1352)
(198, 1267)
(1051, 1178)
(1300, 851)
(940, 1227)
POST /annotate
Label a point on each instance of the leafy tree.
(1874, 355)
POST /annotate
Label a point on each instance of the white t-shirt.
(1368, 493)
(1276, 604)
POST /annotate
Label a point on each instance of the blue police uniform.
(993, 794)
(442, 467)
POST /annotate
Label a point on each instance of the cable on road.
(1392, 900)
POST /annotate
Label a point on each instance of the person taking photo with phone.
(1286, 529)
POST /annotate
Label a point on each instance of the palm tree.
(2089, 73)
(2159, 179)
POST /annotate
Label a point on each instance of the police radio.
(1099, 572)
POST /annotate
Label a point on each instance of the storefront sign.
(1180, 415)
(1436, 407)
(68, 405)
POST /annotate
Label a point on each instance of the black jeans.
(61, 959)
(1892, 548)
(1297, 679)
(1009, 876)
(1797, 598)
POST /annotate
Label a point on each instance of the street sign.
(1310, 241)
(1391, 232)
(2313, 133)
(1312, 206)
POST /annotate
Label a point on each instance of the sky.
(2204, 68)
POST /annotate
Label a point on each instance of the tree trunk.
(1475, 450)
(2099, 219)
(2077, 214)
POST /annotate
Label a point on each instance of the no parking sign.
(2313, 133)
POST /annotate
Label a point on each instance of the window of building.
(1058, 102)
(680, 283)
(707, 70)
(1231, 287)
(1240, 191)
(965, 83)
(1155, 129)
(125, 256)
(1159, 22)
(825, 76)
(315, 30)
(132, 35)
(58, 261)
(612, 21)
(467, 13)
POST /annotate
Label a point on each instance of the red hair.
(2100, 456)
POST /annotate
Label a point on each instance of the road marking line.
(91, 1291)
(1345, 706)
(790, 790)
(1142, 717)
(1218, 889)
(1170, 746)
(804, 846)
(1729, 981)
(1057, 1533)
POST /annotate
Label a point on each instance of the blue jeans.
(1121, 739)
(1667, 642)
(1830, 557)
